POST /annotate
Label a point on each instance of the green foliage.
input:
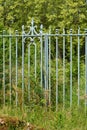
(40, 118)
(59, 14)
(55, 14)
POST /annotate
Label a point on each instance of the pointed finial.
(78, 30)
(56, 30)
(22, 27)
(32, 22)
(41, 28)
(16, 32)
(64, 30)
(70, 30)
(4, 32)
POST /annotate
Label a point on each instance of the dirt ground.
(13, 123)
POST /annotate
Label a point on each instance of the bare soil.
(13, 123)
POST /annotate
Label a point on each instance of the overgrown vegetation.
(40, 119)
(59, 14)
(37, 111)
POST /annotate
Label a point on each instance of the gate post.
(46, 61)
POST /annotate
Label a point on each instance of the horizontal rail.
(52, 35)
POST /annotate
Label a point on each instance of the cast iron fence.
(35, 64)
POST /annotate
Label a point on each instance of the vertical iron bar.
(78, 67)
(23, 40)
(3, 67)
(29, 72)
(41, 47)
(49, 68)
(46, 62)
(56, 70)
(63, 68)
(41, 60)
(35, 60)
(70, 67)
(46, 70)
(10, 66)
(16, 67)
(85, 69)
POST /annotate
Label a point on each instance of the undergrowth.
(68, 119)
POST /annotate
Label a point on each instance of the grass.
(68, 119)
